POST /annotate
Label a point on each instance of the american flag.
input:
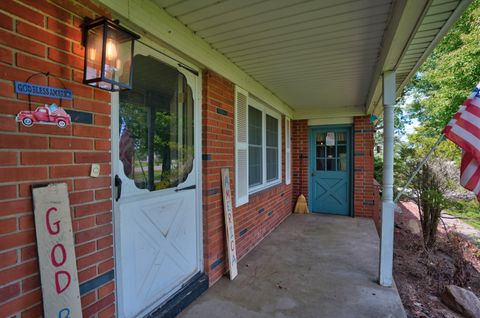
(464, 130)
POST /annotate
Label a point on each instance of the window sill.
(260, 188)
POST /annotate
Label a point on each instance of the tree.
(448, 76)
(442, 84)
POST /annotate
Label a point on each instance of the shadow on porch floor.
(310, 266)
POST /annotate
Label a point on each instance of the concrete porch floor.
(310, 266)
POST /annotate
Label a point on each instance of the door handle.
(313, 174)
(186, 188)
(118, 185)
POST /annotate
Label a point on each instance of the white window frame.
(267, 111)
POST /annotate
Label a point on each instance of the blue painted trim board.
(96, 282)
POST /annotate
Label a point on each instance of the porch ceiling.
(317, 55)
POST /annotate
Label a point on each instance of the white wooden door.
(155, 153)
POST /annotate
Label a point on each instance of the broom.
(301, 205)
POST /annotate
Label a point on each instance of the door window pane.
(341, 139)
(342, 158)
(331, 165)
(320, 164)
(156, 126)
(320, 138)
(320, 151)
(272, 148)
(330, 151)
(254, 147)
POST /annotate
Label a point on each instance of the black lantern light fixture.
(108, 54)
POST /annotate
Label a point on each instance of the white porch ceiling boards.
(312, 54)
(320, 56)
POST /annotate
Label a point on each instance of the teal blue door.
(329, 170)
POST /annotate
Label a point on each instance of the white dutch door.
(157, 222)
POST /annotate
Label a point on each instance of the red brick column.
(363, 188)
(218, 152)
(45, 36)
(264, 211)
(300, 158)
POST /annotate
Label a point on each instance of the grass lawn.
(469, 211)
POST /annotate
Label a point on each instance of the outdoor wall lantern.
(108, 54)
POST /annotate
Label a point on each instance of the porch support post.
(386, 234)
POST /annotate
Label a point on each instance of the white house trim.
(403, 25)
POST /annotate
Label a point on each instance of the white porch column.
(386, 234)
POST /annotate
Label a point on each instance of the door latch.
(118, 185)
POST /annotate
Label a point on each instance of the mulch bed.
(421, 275)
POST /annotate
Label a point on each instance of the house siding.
(264, 211)
(44, 36)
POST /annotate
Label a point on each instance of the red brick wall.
(300, 158)
(264, 211)
(44, 36)
(363, 188)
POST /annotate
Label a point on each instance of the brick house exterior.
(46, 36)
(254, 220)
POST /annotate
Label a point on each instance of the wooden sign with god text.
(230, 229)
(56, 253)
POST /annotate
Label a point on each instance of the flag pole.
(420, 165)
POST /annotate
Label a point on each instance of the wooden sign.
(56, 253)
(230, 230)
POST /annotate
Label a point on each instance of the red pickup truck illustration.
(48, 114)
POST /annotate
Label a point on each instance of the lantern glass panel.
(118, 56)
(94, 53)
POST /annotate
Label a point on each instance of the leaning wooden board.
(56, 253)
(230, 230)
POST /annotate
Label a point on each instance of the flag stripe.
(474, 179)
(467, 169)
(465, 139)
(464, 130)
(467, 122)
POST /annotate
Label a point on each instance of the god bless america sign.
(56, 253)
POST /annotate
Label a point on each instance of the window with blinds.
(264, 146)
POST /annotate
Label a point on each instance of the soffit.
(311, 54)
(435, 20)
(321, 57)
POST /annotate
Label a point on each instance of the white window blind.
(288, 151)
(241, 146)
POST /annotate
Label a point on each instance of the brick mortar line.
(45, 15)
(94, 252)
(22, 294)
